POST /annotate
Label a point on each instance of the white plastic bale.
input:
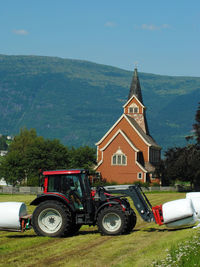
(179, 213)
(183, 222)
(10, 213)
(191, 195)
(195, 198)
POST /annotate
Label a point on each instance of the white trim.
(131, 145)
(109, 130)
(133, 106)
(137, 132)
(98, 164)
(125, 137)
(131, 99)
(145, 177)
(97, 153)
(123, 116)
(139, 174)
(115, 154)
(141, 167)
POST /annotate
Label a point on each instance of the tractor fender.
(110, 203)
(52, 196)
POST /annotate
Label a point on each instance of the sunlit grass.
(147, 243)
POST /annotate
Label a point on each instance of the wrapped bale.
(179, 213)
(195, 198)
(10, 214)
(193, 195)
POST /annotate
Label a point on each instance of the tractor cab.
(73, 184)
(68, 202)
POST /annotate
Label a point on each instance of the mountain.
(78, 101)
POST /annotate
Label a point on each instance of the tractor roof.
(57, 172)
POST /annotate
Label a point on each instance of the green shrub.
(155, 184)
(146, 185)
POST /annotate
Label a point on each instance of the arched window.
(133, 108)
(119, 158)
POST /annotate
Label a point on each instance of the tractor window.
(64, 184)
(75, 183)
(53, 183)
(86, 184)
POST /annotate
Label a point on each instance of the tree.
(28, 154)
(12, 168)
(3, 144)
(183, 163)
(22, 141)
(46, 155)
(83, 157)
(196, 126)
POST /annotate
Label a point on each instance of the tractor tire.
(112, 221)
(132, 220)
(52, 218)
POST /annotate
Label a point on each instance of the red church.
(127, 152)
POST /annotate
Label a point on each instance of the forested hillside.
(78, 101)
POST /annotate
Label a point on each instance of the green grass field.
(147, 243)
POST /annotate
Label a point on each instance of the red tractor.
(68, 202)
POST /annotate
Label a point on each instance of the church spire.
(135, 88)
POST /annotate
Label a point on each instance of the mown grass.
(147, 243)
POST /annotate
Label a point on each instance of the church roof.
(145, 136)
(135, 88)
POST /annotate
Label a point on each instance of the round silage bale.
(195, 198)
(178, 213)
(10, 213)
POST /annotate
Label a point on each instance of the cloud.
(20, 32)
(152, 27)
(110, 24)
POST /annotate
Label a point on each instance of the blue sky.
(162, 36)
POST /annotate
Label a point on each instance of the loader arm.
(141, 202)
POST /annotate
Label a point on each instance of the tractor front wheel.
(132, 220)
(52, 218)
(112, 221)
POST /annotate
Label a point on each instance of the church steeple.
(134, 107)
(135, 88)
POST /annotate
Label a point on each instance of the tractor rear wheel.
(52, 218)
(112, 221)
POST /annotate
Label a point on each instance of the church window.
(114, 160)
(130, 110)
(154, 155)
(123, 160)
(119, 158)
(133, 108)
